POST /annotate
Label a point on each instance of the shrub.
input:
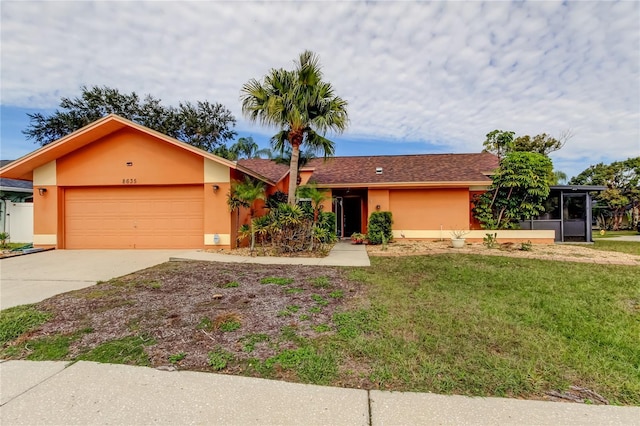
(276, 199)
(490, 240)
(380, 228)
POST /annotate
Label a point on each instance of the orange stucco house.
(116, 184)
(429, 195)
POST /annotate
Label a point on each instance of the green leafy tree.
(501, 142)
(518, 192)
(301, 105)
(246, 193)
(622, 179)
(204, 125)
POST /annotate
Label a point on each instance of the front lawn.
(612, 234)
(462, 324)
(629, 247)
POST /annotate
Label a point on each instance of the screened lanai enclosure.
(568, 212)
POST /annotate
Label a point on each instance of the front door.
(352, 215)
(575, 219)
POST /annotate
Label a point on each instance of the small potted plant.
(457, 238)
(357, 238)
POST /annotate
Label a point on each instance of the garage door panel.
(134, 217)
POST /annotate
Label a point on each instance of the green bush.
(380, 228)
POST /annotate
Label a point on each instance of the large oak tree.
(205, 125)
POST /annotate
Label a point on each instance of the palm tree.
(248, 148)
(304, 157)
(244, 194)
(301, 105)
(559, 178)
(317, 197)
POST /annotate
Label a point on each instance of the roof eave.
(24, 166)
(435, 184)
(14, 189)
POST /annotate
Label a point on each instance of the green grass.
(463, 324)
(11, 246)
(251, 340)
(18, 320)
(276, 281)
(320, 282)
(495, 326)
(219, 358)
(629, 247)
(612, 234)
(176, 358)
(127, 350)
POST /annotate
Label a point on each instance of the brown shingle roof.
(405, 168)
(267, 168)
(396, 169)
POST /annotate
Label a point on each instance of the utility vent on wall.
(378, 170)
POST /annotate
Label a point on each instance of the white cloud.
(445, 73)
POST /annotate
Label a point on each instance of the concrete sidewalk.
(48, 393)
(343, 253)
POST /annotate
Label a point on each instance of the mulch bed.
(169, 302)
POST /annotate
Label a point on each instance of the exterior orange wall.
(216, 211)
(305, 176)
(104, 162)
(45, 212)
(415, 209)
(378, 197)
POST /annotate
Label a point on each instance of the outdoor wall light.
(215, 188)
(378, 207)
(129, 163)
(42, 191)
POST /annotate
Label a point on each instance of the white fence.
(19, 222)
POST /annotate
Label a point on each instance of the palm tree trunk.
(293, 172)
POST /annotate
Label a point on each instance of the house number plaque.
(129, 181)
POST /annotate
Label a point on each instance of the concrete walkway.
(343, 253)
(87, 393)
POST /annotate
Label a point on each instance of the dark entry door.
(575, 219)
(352, 215)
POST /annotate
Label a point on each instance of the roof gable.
(268, 168)
(23, 167)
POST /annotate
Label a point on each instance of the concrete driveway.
(38, 276)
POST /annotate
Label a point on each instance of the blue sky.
(419, 77)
